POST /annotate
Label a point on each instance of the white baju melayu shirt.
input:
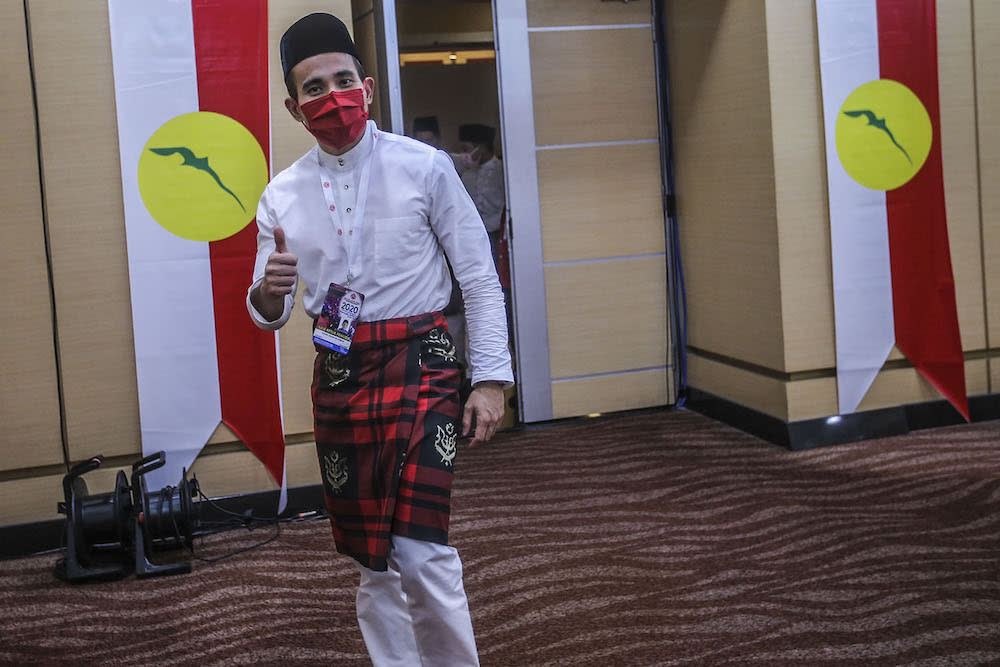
(376, 219)
(486, 187)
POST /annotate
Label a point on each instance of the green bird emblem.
(199, 163)
(878, 123)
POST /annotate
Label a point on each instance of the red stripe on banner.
(230, 43)
(923, 287)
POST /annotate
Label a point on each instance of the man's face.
(428, 137)
(317, 75)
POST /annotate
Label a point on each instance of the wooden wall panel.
(760, 392)
(365, 40)
(575, 12)
(901, 386)
(960, 161)
(724, 178)
(72, 56)
(593, 85)
(233, 473)
(358, 7)
(817, 397)
(609, 393)
(31, 498)
(600, 202)
(986, 29)
(29, 403)
(801, 204)
(811, 398)
(606, 316)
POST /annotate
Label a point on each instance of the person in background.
(369, 216)
(482, 174)
(426, 129)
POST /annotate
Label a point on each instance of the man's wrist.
(489, 383)
(270, 309)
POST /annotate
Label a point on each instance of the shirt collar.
(351, 159)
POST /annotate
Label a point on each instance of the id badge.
(335, 326)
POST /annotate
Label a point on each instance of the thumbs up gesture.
(279, 278)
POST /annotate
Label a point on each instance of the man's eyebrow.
(311, 82)
(344, 73)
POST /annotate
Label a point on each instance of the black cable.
(47, 238)
(675, 272)
(46, 552)
(277, 534)
(246, 519)
(241, 516)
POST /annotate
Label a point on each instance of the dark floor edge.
(27, 539)
(836, 430)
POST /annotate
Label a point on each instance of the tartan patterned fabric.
(386, 424)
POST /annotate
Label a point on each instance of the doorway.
(448, 96)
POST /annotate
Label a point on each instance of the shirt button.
(326, 184)
(347, 187)
(340, 161)
(348, 210)
(350, 233)
(332, 207)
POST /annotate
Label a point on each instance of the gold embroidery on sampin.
(444, 443)
(335, 471)
(336, 369)
(440, 343)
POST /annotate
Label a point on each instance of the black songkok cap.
(476, 134)
(312, 35)
(426, 124)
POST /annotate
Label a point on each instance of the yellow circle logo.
(883, 134)
(200, 176)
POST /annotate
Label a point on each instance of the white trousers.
(416, 613)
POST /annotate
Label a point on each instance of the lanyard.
(350, 240)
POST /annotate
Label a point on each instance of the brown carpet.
(653, 539)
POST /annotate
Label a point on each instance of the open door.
(578, 99)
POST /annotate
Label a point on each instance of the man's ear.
(369, 90)
(293, 108)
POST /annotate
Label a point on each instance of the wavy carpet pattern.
(661, 538)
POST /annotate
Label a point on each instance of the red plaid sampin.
(386, 427)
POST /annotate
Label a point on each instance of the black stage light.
(109, 535)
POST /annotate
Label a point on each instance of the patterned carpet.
(661, 538)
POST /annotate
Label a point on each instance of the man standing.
(427, 130)
(482, 174)
(360, 222)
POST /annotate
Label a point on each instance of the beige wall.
(29, 403)
(751, 185)
(80, 177)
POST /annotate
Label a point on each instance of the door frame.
(517, 122)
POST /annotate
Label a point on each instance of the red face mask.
(338, 118)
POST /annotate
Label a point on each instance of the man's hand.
(479, 155)
(485, 406)
(471, 160)
(279, 278)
